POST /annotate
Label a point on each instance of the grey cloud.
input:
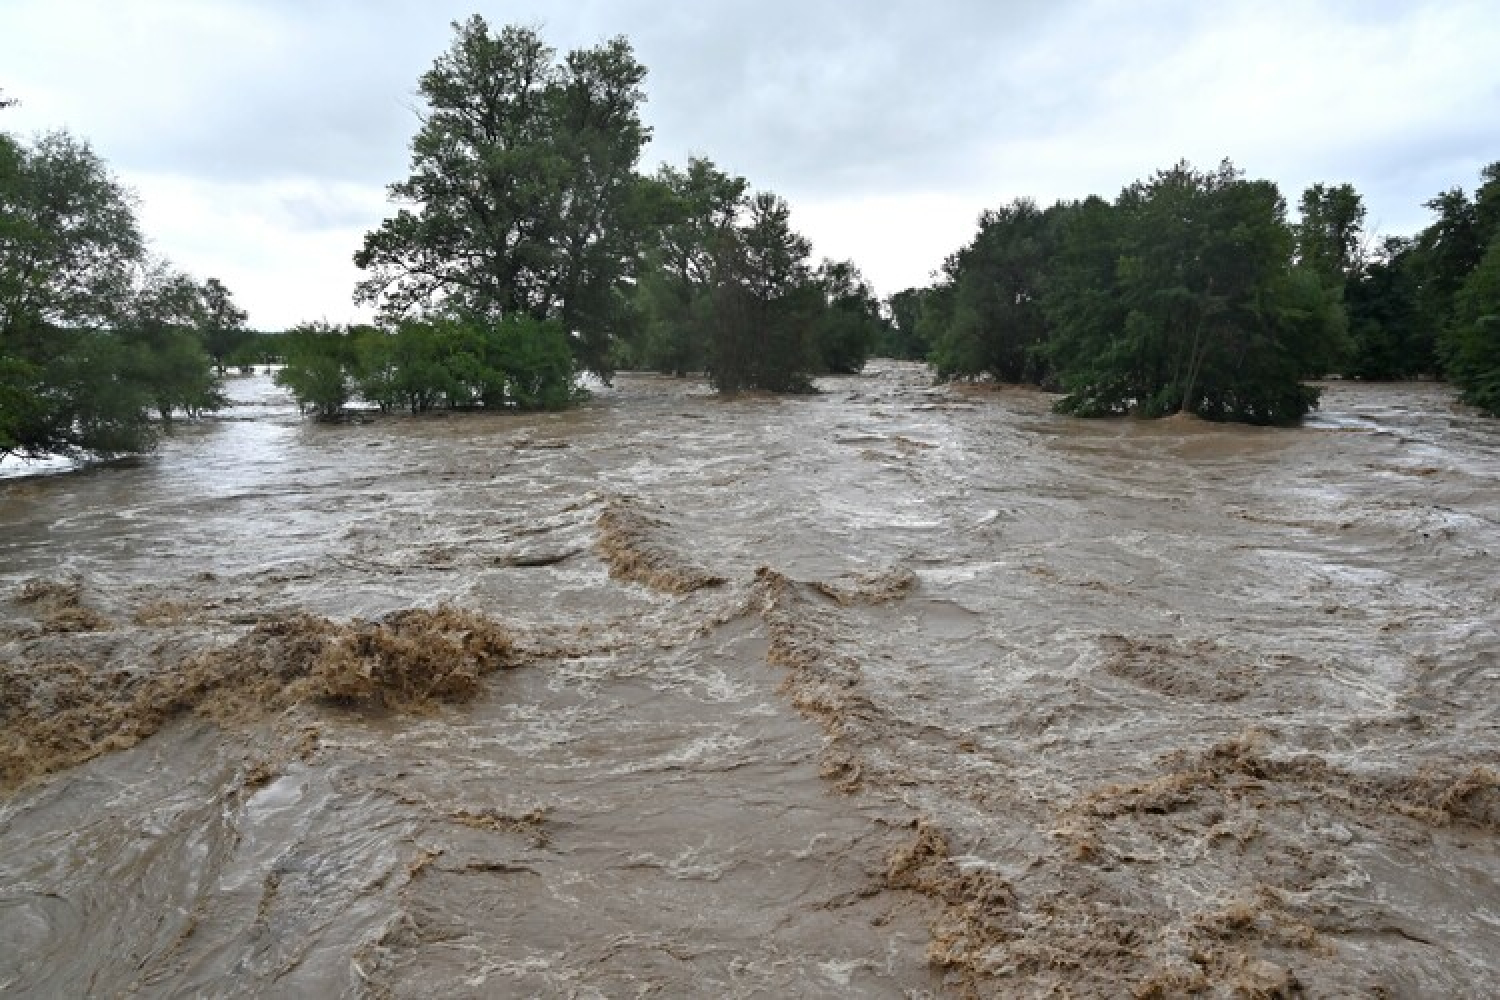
(826, 103)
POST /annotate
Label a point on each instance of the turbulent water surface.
(891, 691)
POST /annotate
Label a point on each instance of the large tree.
(1330, 232)
(850, 324)
(695, 213)
(1186, 300)
(996, 325)
(1472, 341)
(222, 326)
(94, 336)
(69, 241)
(1388, 339)
(522, 188)
(763, 304)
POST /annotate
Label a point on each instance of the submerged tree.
(223, 324)
(695, 213)
(1193, 307)
(94, 337)
(1472, 341)
(903, 337)
(996, 324)
(849, 325)
(762, 303)
(451, 362)
(522, 188)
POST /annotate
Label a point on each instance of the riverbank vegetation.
(525, 219)
(101, 343)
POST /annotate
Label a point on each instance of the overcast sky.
(260, 134)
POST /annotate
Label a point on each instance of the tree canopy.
(522, 189)
(97, 338)
(1182, 295)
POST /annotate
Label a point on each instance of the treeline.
(100, 342)
(526, 223)
(721, 284)
(1193, 292)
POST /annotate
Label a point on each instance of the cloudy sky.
(260, 134)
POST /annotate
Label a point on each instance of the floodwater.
(892, 691)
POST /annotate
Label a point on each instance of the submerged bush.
(435, 363)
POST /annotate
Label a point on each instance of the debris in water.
(60, 603)
(59, 713)
(631, 542)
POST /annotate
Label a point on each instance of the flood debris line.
(822, 683)
(58, 606)
(873, 587)
(1441, 793)
(1197, 669)
(61, 705)
(977, 911)
(634, 545)
(975, 908)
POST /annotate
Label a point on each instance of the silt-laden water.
(891, 691)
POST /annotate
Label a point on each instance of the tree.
(1185, 300)
(436, 362)
(222, 329)
(849, 324)
(522, 188)
(695, 214)
(160, 325)
(1443, 257)
(70, 238)
(1330, 232)
(762, 302)
(94, 337)
(319, 357)
(1384, 324)
(1472, 344)
(997, 325)
(902, 338)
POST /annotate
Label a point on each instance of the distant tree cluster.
(100, 343)
(524, 201)
(1193, 292)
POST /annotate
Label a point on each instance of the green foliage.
(222, 324)
(695, 213)
(436, 363)
(1330, 232)
(1473, 342)
(995, 324)
(161, 325)
(522, 188)
(1444, 255)
(762, 303)
(1181, 298)
(902, 337)
(94, 336)
(1404, 312)
(71, 242)
(319, 357)
(1388, 341)
(849, 325)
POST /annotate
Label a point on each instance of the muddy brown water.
(891, 691)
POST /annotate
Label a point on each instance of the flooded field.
(893, 691)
